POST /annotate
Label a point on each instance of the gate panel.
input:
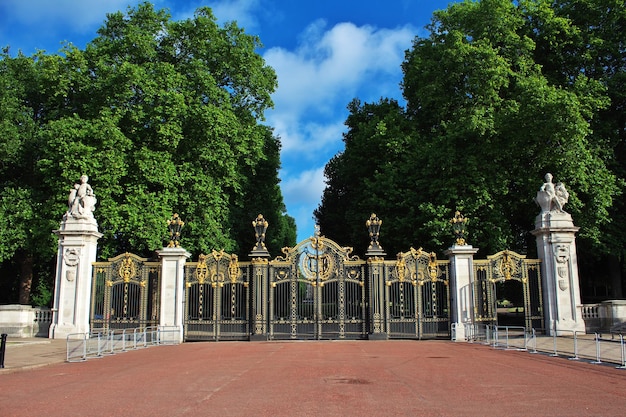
(403, 313)
(216, 298)
(200, 302)
(125, 293)
(417, 296)
(500, 269)
(484, 294)
(317, 292)
(435, 320)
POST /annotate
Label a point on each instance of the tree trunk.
(26, 277)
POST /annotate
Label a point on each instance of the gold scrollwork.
(400, 267)
(506, 266)
(353, 274)
(433, 270)
(202, 270)
(218, 255)
(416, 253)
(233, 269)
(127, 270)
(215, 276)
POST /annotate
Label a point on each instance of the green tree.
(487, 119)
(587, 36)
(369, 177)
(164, 116)
(25, 231)
(261, 195)
(491, 117)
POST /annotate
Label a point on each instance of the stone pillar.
(173, 261)
(461, 280)
(78, 244)
(556, 247)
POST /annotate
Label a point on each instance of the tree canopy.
(164, 116)
(498, 94)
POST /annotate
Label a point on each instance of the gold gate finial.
(458, 227)
(175, 225)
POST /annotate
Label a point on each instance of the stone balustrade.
(25, 321)
(607, 316)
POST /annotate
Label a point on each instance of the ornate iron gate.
(317, 291)
(216, 298)
(417, 296)
(125, 293)
(502, 268)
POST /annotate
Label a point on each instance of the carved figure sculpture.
(82, 200)
(551, 197)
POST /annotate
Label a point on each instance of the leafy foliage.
(164, 116)
(497, 95)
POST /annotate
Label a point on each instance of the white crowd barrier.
(96, 344)
(573, 345)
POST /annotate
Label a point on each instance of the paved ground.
(326, 378)
(29, 353)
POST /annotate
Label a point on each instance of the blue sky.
(325, 53)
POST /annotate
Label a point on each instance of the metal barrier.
(561, 345)
(81, 346)
(573, 345)
(482, 333)
(623, 352)
(511, 336)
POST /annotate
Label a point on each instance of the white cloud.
(303, 188)
(307, 138)
(316, 82)
(327, 70)
(302, 193)
(244, 12)
(82, 15)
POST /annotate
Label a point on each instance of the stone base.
(61, 331)
(565, 327)
(258, 338)
(459, 333)
(554, 219)
(377, 336)
(83, 225)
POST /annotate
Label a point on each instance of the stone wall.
(605, 317)
(25, 321)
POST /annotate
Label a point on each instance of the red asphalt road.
(326, 378)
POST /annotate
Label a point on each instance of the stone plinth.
(556, 247)
(461, 278)
(78, 243)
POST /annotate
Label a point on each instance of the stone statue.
(82, 200)
(552, 198)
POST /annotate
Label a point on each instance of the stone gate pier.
(78, 243)
(556, 246)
